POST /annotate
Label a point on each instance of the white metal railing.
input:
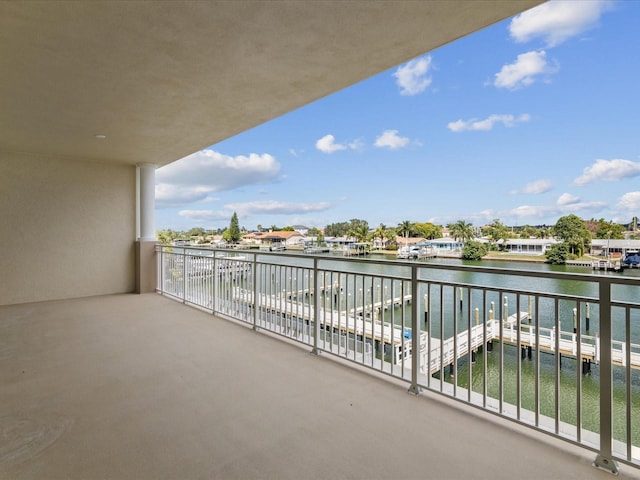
(439, 327)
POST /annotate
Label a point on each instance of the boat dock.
(608, 265)
(378, 306)
(445, 353)
(356, 249)
(335, 321)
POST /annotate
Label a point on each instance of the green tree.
(427, 230)
(474, 250)
(572, 230)
(232, 234)
(196, 232)
(166, 236)
(359, 231)
(527, 231)
(461, 230)
(496, 231)
(337, 229)
(544, 232)
(390, 234)
(405, 229)
(358, 224)
(557, 254)
(380, 232)
(609, 230)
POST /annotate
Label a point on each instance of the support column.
(147, 189)
(146, 243)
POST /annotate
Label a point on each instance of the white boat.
(415, 251)
(316, 249)
(274, 247)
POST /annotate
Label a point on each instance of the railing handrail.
(583, 277)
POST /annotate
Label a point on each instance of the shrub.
(473, 250)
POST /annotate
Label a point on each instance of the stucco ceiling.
(164, 79)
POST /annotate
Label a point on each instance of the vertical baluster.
(604, 459)
(415, 335)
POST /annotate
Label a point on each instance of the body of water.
(368, 282)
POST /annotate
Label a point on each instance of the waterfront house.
(301, 229)
(446, 246)
(338, 242)
(527, 246)
(100, 383)
(617, 248)
(284, 238)
(410, 241)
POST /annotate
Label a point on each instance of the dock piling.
(588, 315)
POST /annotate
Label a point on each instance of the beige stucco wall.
(67, 228)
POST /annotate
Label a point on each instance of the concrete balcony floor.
(142, 387)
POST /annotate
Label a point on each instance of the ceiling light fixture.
(100, 136)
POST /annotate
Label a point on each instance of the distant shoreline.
(491, 256)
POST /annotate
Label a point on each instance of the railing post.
(214, 286)
(604, 460)
(184, 275)
(415, 333)
(316, 307)
(162, 270)
(256, 300)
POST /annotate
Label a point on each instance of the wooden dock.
(608, 265)
(446, 352)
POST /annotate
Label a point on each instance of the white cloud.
(567, 199)
(487, 124)
(327, 144)
(276, 208)
(205, 216)
(523, 214)
(390, 139)
(630, 202)
(588, 207)
(413, 77)
(557, 21)
(245, 209)
(528, 211)
(168, 195)
(523, 71)
(535, 188)
(193, 177)
(609, 170)
(357, 144)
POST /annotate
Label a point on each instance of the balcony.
(138, 386)
(550, 370)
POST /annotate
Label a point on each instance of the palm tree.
(380, 233)
(405, 229)
(461, 230)
(359, 232)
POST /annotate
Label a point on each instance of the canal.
(452, 300)
(449, 310)
(519, 374)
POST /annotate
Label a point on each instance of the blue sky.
(528, 120)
